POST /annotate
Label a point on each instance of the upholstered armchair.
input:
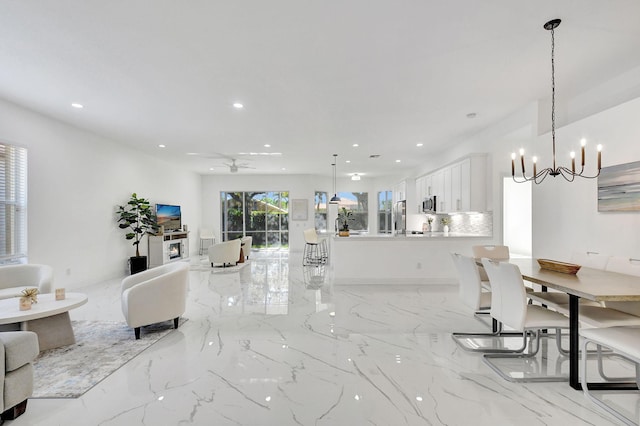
(155, 295)
(226, 252)
(15, 278)
(18, 350)
(247, 242)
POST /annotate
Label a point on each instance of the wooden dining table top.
(588, 283)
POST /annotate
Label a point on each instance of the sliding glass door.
(263, 215)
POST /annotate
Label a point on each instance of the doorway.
(516, 217)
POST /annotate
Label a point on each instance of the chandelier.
(565, 172)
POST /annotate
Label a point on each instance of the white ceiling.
(315, 76)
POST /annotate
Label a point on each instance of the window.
(320, 211)
(384, 212)
(358, 203)
(13, 203)
(262, 215)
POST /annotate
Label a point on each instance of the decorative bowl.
(557, 266)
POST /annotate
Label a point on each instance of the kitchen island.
(402, 259)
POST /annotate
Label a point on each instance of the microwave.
(429, 205)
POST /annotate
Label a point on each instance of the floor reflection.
(264, 285)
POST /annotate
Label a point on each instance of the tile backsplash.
(466, 223)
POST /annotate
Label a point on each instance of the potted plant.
(138, 218)
(345, 216)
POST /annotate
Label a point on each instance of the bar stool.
(206, 235)
(315, 250)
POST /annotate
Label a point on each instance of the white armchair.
(226, 252)
(15, 278)
(246, 242)
(155, 295)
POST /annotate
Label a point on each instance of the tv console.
(169, 247)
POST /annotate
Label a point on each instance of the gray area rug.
(101, 348)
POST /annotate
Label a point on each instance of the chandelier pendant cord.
(553, 98)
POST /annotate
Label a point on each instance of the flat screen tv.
(169, 216)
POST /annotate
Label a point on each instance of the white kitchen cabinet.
(459, 187)
(455, 195)
(445, 202)
(468, 188)
(428, 185)
(437, 189)
(400, 191)
(420, 191)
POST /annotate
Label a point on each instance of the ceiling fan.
(233, 167)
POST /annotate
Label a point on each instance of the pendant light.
(565, 172)
(335, 199)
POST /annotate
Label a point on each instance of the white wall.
(75, 182)
(565, 216)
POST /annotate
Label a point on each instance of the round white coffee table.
(49, 318)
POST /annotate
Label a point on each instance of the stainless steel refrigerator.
(400, 219)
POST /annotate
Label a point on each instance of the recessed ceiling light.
(355, 145)
(419, 144)
(162, 146)
(210, 168)
(397, 161)
(347, 161)
(374, 156)
(77, 105)
(238, 105)
(266, 145)
(355, 176)
(284, 168)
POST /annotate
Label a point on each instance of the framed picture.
(299, 209)
(619, 188)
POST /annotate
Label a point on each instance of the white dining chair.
(590, 259)
(497, 252)
(627, 266)
(473, 295)
(509, 306)
(624, 341)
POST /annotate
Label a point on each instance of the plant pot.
(138, 264)
(343, 233)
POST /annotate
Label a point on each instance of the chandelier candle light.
(568, 174)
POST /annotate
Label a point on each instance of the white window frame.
(13, 204)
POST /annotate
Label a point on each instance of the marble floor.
(274, 343)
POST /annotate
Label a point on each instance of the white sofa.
(226, 252)
(15, 278)
(18, 350)
(155, 295)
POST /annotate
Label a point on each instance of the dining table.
(588, 283)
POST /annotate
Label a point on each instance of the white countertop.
(409, 236)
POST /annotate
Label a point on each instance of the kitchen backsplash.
(466, 223)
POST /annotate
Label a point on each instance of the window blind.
(13, 204)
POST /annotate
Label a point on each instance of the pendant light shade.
(335, 199)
